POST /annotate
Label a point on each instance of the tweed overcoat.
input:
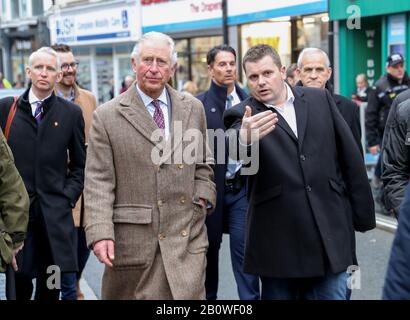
(149, 207)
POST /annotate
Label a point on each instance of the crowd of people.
(76, 178)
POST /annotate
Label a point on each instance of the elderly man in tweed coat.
(145, 208)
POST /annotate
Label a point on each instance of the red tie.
(158, 115)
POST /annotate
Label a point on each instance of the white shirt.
(33, 100)
(236, 165)
(235, 96)
(287, 110)
(163, 102)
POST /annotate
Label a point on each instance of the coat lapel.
(134, 111)
(301, 111)
(180, 112)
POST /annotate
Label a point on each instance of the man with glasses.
(68, 89)
(44, 130)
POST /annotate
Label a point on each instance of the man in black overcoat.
(301, 219)
(47, 140)
(231, 204)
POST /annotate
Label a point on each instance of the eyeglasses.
(66, 66)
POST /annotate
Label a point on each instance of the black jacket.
(349, 111)
(301, 216)
(53, 182)
(214, 102)
(396, 152)
(397, 284)
(379, 101)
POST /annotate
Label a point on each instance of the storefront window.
(37, 7)
(123, 54)
(82, 55)
(104, 69)
(15, 9)
(20, 52)
(274, 33)
(312, 32)
(199, 67)
(23, 7)
(182, 74)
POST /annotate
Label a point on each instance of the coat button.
(184, 233)
(308, 188)
(160, 203)
(161, 236)
(302, 157)
(182, 200)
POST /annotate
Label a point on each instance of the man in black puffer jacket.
(396, 152)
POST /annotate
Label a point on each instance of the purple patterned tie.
(158, 115)
(38, 113)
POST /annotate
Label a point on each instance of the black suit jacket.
(301, 217)
(53, 181)
(350, 113)
(214, 101)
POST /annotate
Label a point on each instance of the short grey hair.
(308, 51)
(155, 37)
(47, 50)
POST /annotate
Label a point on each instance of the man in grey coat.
(145, 206)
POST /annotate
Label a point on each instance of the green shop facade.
(366, 32)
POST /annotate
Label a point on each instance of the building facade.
(366, 32)
(23, 29)
(288, 25)
(102, 35)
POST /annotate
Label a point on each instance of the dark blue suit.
(230, 211)
(397, 284)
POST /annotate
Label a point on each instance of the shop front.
(19, 40)
(102, 37)
(368, 31)
(196, 25)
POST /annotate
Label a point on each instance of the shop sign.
(396, 34)
(117, 24)
(370, 63)
(181, 15)
(171, 16)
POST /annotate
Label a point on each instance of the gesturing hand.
(256, 127)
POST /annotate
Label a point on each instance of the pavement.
(85, 288)
(385, 223)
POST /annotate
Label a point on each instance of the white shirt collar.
(147, 99)
(32, 97)
(289, 98)
(233, 93)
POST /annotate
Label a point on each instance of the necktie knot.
(158, 115)
(38, 113)
(229, 100)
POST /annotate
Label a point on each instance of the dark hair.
(290, 70)
(210, 57)
(60, 47)
(260, 51)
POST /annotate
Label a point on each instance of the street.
(373, 250)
